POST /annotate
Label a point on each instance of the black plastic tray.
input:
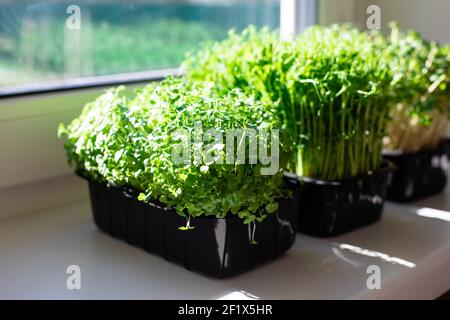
(419, 174)
(330, 208)
(447, 147)
(215, 247)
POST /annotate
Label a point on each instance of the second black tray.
(330, 208)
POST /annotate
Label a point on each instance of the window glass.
(52, 40)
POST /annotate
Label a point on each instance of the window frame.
(295, 16)
(88, 82)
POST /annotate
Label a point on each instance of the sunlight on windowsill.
(239, 295)
(341, 247)
(434, 214)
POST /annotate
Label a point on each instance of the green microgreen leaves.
(420, 88)
(131, 142)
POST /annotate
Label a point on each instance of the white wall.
(337, 11)
(429, 17)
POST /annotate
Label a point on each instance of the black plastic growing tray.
(215, 247)
(419, 174)
(446, 144)
(330, 208)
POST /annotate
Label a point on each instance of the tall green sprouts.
(337, 88)
(327, 87)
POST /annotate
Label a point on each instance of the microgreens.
(129, 143)
(421, 88)
(328, 87)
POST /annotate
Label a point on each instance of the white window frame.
(296, 16)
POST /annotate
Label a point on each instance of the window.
(42, 41)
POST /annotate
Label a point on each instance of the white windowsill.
(35, 250)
